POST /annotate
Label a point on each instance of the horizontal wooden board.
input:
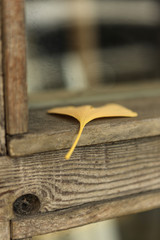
(53, 132)
(95, 173)
(82, 215)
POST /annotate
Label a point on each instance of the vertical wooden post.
(2, 121)
(4, 230)
(14, 65)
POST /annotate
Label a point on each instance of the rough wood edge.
(33, 144)
(147, 124)
(96, 173)
(85, 214)
(2, 120)
(4, 230)
(14, 65)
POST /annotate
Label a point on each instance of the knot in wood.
(26, 205)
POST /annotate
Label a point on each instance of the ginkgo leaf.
(85, 114)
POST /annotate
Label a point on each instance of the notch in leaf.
(87, 113)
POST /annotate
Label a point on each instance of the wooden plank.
(2, 121)
(52, 132)
(82, 215)
(95, 173)
(4, 230)
(14, 46)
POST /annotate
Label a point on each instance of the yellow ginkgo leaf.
(85, 114)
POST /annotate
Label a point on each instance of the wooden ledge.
(124, 177)
(82, 215)
(53, 132)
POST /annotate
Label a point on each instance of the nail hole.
(26, 205)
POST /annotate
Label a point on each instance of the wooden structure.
(114, 171)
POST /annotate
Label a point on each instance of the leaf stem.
(68, 155)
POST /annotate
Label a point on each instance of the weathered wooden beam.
(52, 132)
(14, 64)
(82, 215)
(2, 121)
(4, 230)
(95, 173)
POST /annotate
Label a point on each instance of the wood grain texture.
(82, 215)
(14, 51)
(2, 121)
(95, 173)
(4, 230)
(53, 132)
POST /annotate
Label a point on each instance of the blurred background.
(141, 226)
(79, 45)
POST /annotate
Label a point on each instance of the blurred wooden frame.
(109, 176)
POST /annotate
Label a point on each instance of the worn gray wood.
(14, 60)
(53, 132)
(94, 173)
(4, 230)
(2, 122)
(85, 214)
